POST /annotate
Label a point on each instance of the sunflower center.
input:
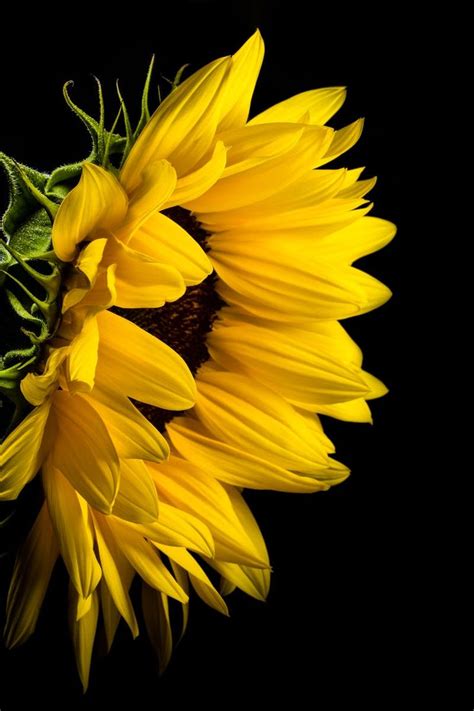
(183, 324)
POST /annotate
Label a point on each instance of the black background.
(330, 632)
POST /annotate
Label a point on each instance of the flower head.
(202, 283)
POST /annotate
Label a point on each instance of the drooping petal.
(134, 437)
(30, 579)
(176, 527)
(163, 239)
(241, 576)
(137, 500)
(189, 489)
(144, 368)
(199, 580)
(260, 576)
(117, 572)
(84, 451)
(83, 635)
(157, 620)
(146, 560)
(97, 202)
(69, 515)
(110, 614)
(23, 451)
(182, 128)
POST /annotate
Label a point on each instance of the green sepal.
(23, 205)
(30, 279)
(104, 145)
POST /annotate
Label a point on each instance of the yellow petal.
(136, 500)
(182, 578)
(37, 387)
(248, 521)
(304, 376)
(163, 239)
(84, 451)
(182, 484)
(97, 202)
(376, 387)
(310, 221)
(262, 163)
(240, 84)
(110, 615)
(352, 411)
(145, 560)
(158, 182)
(176, 527)
(134, 437)
(199, 580)
(241, 577)
(23, 451)
(117, 572)
(82, 358)
(259, 576)
(286, 284)
(157, 619)
(140, 280)
(327, 336)
(250, 416)
(182, 128)
(30, 579)
(234, 465)
(91, 299)
(317, 106)
(69, 516)
(197, 182)
(357, 240)
(311, 189)
(83, 635)
(144, 368)
(343, 140)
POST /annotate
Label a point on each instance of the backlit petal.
(30, 579)
(83, 636)
(23, 451)
(116, 570)
(136, 500)
(69, 516)
(84, 451)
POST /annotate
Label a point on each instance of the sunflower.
(205, 262)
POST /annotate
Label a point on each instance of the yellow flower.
(260, 335)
